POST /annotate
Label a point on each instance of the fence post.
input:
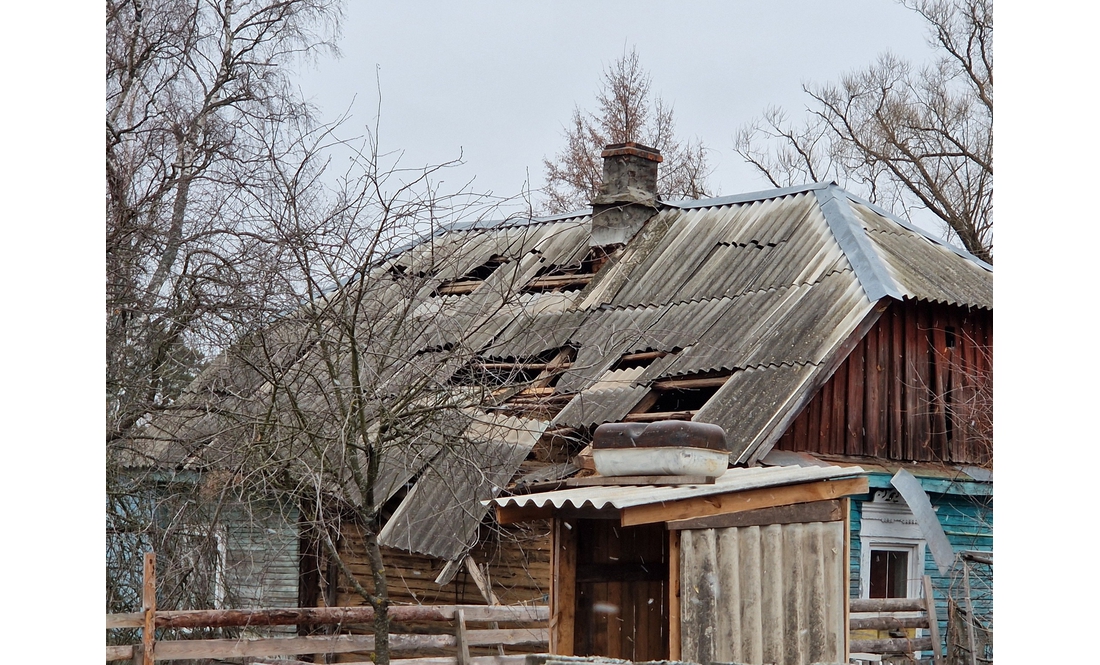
(149, 607)
(933, 621)
(462, 651)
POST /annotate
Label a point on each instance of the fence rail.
(463, 637)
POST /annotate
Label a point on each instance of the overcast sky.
(494, 82)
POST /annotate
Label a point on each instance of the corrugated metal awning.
(630, 496)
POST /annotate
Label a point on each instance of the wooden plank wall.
(518, 557)
(906, 393)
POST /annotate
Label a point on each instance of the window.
(889, 574)
(892, 549)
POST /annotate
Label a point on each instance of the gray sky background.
(495, 82)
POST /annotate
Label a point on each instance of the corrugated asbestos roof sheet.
(441, 514)
(765, 287)
(629, 496)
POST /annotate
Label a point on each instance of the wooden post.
(563, 586)
(462, 646)
(674, 595)
(933, 621)
(970, 615)
(149, 607)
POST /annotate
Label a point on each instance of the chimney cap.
(631, 148)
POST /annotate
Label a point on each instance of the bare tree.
(902, 136)
(625, 113)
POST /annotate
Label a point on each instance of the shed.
(751, 568)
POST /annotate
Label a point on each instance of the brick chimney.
(628, 195)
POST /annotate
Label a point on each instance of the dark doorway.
(622, 591)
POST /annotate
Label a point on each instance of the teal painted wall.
(967, 520)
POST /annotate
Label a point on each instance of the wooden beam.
(691, 384)
(896, 645)
(457, 288)
(275, 646)
(293, 616)
(736, 502)
(887, 605)
(563, 586)
(149, 607)
(887, 622)
(123, 652)
(599, 481)
(674, 652)
(660, 415)
(513, 514)
(817, 511)
(644, 355)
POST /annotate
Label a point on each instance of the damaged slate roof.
(755, 293)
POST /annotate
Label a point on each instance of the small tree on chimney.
(626, 114)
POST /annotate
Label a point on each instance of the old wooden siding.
(518, 558)
(968, 523)
(260, 550)
(771, 594)
(917, 387)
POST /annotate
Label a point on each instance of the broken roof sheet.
(765, 287)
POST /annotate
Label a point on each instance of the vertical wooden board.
(872, 397)
(922, 439)
(813, 424)
(701, 569)
(856, 373)
(801, 431)
(825, 435)
(752, 620)
(673, 590)
(897, 385)
(563, 586)
(940, 365)
(839, 422)
(771, 593)
(795, 635)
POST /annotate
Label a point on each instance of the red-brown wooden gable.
(904, 394)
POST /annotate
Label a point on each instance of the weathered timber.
(449, 660)
(590, 481)
(563, 586)
(149, 607)
(327, 615)
(659, 415)
(887, 605)
(674, 595)
(457, 288)
(642, 356)
(462, 646)
(229, 648)
(887, 622)
(722, 504)
(895, 645)
(120, 652)
(556, 281)
(690, 384)
(933, 620)
(818, 511)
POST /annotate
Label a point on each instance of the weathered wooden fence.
(896, 614)
(460, 639)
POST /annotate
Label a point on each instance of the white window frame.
(886, 523)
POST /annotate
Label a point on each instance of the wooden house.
(816, 328)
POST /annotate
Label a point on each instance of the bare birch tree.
(626, 112)
(902, 136)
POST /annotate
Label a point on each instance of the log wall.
(917, 387)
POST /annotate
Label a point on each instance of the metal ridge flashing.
(853, 241)
(919, 231)
(749, 196)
